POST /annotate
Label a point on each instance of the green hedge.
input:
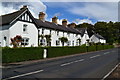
(21, 54)
(34, 53)
(62, 51)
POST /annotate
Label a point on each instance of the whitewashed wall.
(84, 38)
(32, 32)
(4, 33)
(94, 39)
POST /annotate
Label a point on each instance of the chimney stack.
(54, 19)
(24, 7)
(72, 25)
(42, 16)
(64, 22)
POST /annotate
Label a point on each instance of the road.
(90, 65)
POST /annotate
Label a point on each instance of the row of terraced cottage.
(34, 31)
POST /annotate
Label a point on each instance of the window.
(73, 43)
(5, 38)
(57, 42)
(68, 34)
(68, 43)
(25, 41)
(77, 43)
(50, 32)
(57, 33)
(42, 42)
(24, 28)
(42, 31)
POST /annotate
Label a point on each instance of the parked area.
(10, 55)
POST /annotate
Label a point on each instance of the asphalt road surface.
(90, 65)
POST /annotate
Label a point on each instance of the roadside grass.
(10, 55)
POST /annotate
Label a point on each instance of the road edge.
(110, 72)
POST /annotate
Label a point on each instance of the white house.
(96, 38)
(18, 23)
(39, 32)
(84, 35)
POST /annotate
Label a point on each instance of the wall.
(4, 33)
(84, 38)
(32, 32)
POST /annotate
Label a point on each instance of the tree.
(48, 40)
(101, 28)
(16, 41)
(63, 40)
(117, 31)
(86, 25)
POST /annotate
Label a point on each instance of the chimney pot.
(72, 25)
(64, 22)
(54, 19)
(24, 7)
(42, 16)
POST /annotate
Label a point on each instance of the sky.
(83, 11)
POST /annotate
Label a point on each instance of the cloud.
(34, 7)
(80, 0)
(100, 11)
(57, 14)
(79, 21)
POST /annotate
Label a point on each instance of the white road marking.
(79, 60)
(107, 53)
(26, 74)
(66, 64)
(94, 56)
(72, 62)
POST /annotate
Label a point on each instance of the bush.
(34, 53)
(62, 51)
(21, 54)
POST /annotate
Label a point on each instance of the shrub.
(21, 54)
(34, 53)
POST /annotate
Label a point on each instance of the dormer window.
(25, 28)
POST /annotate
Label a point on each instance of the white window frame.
(25, 41)
(42, 41)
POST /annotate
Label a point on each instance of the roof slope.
(82, 31)
(99, 36)
(8, 18)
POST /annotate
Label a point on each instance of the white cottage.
(34, 31)
(96, 38)
(18, 23)
(38, 32)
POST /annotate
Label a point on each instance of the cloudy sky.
(89, 11)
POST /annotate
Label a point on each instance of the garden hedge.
(34, 53)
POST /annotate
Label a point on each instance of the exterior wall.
(61, 34)
(77, 41)
(102, 41)
(54, 37)
(3, 42)
(96, 40)
(84, 38)
(31, 33)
